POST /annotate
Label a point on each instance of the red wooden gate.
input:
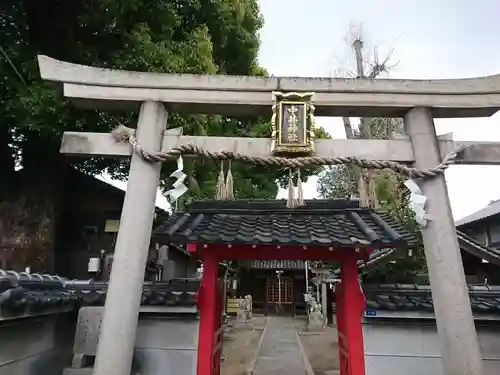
(210, 304)
(217, 339)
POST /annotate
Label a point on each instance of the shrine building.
(337, 230)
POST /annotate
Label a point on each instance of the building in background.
(483, 227)
(86, 229)
(399, 326)
(481, 263)
(399, 329)
(277, 287)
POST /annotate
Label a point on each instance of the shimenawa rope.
(123, 133)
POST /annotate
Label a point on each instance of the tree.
(390, 191)
(181, 36)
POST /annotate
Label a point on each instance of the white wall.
(411, 347)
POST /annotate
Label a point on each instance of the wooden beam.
(400, 150)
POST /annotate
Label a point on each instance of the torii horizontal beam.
(400, 150)
(242, 95)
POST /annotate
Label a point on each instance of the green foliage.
(399, 267)
(336, 182)
(173, 36)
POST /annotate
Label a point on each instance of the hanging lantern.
(292, 123)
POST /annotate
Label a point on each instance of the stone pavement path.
(280, 353)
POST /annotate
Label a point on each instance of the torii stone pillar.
(455, 323)
(121, 312)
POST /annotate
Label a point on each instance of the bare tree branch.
(367, 128)
(383, 67)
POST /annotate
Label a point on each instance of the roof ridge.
(493, 208)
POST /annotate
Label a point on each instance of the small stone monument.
(245, 309)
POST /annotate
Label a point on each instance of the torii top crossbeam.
(106, 88)
(242, 95)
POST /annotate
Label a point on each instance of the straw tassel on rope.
(364, 199)
(372, 189)
(220, 188)
(295, 193)
(229, 183)
(224, 190)
(290, 202)
(300, 191)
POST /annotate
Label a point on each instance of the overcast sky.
(429, 39)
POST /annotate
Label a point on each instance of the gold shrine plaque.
(292, 123)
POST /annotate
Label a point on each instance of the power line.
(13, 66)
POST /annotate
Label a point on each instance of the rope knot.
(123, 133)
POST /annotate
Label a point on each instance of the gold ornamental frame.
(307, 126)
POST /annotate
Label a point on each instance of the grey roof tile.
(399, 297)
(488, 253)
(22, 292)
(465, 242)
(340, 223)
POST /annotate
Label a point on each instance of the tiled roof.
(340, 223)
(473, 247)
(279, 264)
(490, 210)
(22, 293)
(409, 297)
(376, 256)
(176, 292)
(466, 243)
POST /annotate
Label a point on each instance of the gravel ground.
(240, 345)
(321, 348)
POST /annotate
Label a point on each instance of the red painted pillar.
(207, 302)
(340, 310)
(216, 353)
(354, 304)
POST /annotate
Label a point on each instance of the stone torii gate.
(418, 102)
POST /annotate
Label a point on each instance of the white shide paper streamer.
(178, 187)
(418, 201)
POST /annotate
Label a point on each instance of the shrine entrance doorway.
(279, 296)
(332, 230)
